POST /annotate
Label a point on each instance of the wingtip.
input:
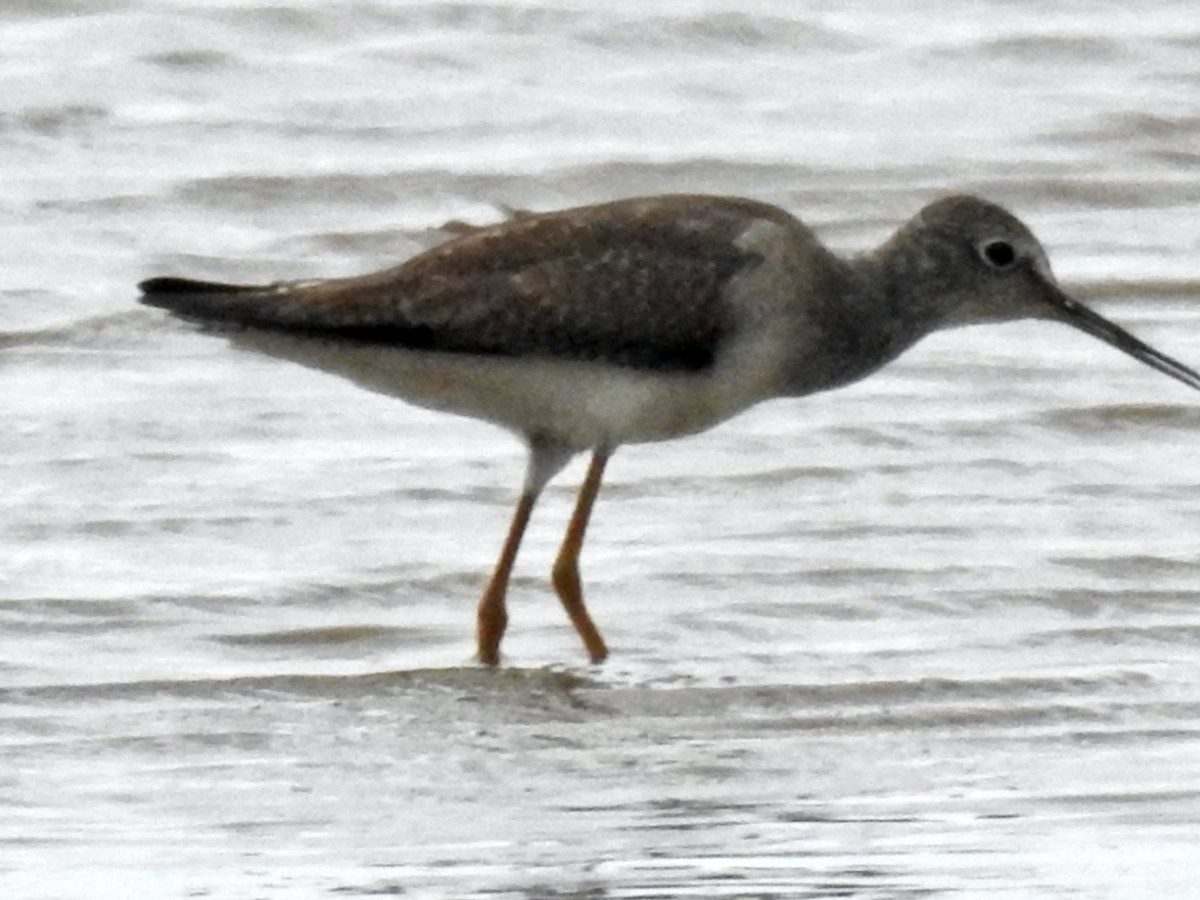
(170, 284)
(189, 297)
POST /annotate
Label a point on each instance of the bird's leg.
(545, 460)
(566, 566)
(493, 613)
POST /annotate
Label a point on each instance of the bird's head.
(962, 261)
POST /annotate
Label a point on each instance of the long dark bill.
(1075, 313)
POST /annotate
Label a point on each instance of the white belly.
(579, 405)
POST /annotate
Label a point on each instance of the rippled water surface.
(933, 635)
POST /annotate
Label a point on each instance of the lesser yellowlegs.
(641, 320)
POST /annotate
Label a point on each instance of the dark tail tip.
(159, 286)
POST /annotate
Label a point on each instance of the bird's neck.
(864, 324)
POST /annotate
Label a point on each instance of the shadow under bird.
(640, 320)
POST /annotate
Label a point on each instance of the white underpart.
(579, 405)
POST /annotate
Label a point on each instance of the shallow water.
(933, 635)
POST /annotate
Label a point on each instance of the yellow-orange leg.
(493, 615)
(566, 566)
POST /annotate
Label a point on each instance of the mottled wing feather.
(635, 283)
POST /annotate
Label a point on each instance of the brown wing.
(635, 283)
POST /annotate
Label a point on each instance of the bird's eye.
(1000, 255)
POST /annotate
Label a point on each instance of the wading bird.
(640, 320)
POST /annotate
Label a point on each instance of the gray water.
(933, 635)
